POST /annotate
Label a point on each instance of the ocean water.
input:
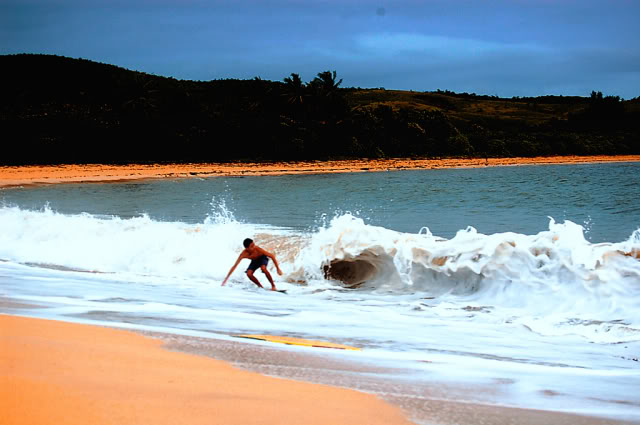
(522, 279)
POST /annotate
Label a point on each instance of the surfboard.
(289, 340)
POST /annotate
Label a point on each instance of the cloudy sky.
(495, 47)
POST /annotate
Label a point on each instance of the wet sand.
(28, 175)
(57, 372)
(424, 402)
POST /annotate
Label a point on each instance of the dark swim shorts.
(258, 262)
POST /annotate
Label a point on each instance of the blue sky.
(499, 47)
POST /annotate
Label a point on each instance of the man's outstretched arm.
(240, 257)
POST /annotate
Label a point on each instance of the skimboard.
(299, 341)
(282, 291)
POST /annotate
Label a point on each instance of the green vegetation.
(62, 110)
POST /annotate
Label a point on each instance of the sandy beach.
(29, 175)
(56, 372)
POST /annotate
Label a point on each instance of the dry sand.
(64, 373)
(25, 175)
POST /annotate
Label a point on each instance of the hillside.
(61, 110)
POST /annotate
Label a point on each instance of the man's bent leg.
(253, 278)
(266, 272)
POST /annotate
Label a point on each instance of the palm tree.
(326, 83)
(295, 89)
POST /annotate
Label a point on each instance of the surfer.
(259, 260)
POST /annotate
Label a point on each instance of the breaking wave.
(554, 272)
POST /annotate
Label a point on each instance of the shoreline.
(79, 373)
(62, 372)
(96, 173)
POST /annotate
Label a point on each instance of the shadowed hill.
(61, 110)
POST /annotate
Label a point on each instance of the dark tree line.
(61, 110)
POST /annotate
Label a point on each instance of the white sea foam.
(553, 282)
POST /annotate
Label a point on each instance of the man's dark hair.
(247, 242)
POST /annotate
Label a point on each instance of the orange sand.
(24, 175)
(63, 373)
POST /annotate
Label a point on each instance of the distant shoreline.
(97, 173)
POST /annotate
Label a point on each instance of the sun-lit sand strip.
(26, 175)
(63, 373)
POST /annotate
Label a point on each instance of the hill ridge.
(64, 110)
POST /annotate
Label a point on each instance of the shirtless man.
(259, 260)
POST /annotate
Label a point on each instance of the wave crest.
(508, 268)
